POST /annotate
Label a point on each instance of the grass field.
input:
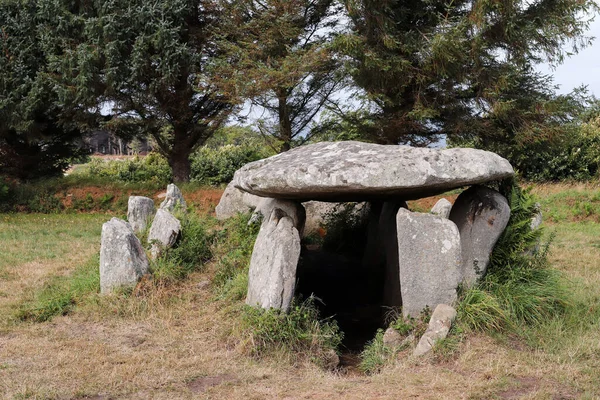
(180, 342)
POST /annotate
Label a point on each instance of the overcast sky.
(581, 68)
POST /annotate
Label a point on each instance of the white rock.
(481, 215)
(292, 209)
(439, 325)
(122, 258)
(234, 201)
(173, 199)
(442, 208)
(164, 232)
(140, 211)
(272, 275)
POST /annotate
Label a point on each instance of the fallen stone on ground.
(481, 215)
(429, 261)
(355, 171)
(164, 232)
(140, 211)
(123, 261)
(439, 325)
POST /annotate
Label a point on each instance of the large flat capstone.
(355, 171)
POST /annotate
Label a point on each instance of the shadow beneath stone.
(346, 292)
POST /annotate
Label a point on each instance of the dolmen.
(426, 255)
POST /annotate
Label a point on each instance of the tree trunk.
(181, 167)
(179, 157)
(285, 125)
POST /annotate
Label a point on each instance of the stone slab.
(356, 171)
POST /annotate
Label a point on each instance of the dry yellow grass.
(176, 343)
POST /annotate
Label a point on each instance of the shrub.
(345, 226)
(190, 253)
(212, 166)
(152, 168)
(299, 331)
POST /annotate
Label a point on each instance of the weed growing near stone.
(232, 252)
(520, 287)
(192, 250)
(299, 332)
(376, 355)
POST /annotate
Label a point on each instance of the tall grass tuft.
(299, 332)
(232, 253)
(190, 253)
(520, 288)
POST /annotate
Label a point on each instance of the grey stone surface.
(173, 199)
(439, 325)
(292, 209)
(537, 219)
(234, 201)
(140, 211)
(122, 258)
(481, 215)
(392, 338)
(163, 232)
(330, 360)
(355, 171)
(272, 275)
(442, 208)
(429, 260)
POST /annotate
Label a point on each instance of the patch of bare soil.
(205, 200)
(202, 384)
(427, 203)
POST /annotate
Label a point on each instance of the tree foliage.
(282, 61)
(459, 68)
(37, 133)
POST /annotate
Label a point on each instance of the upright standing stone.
(122, 258)
(272, 275)
(429, 260)
(442, 208)
(173, 199)
(290, 208)
(439, 325)
(140, 211)
(481, 215)
(234, 201)
(164, 232)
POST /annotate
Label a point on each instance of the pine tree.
(458, 68)
(37, 135)
(278, 55)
